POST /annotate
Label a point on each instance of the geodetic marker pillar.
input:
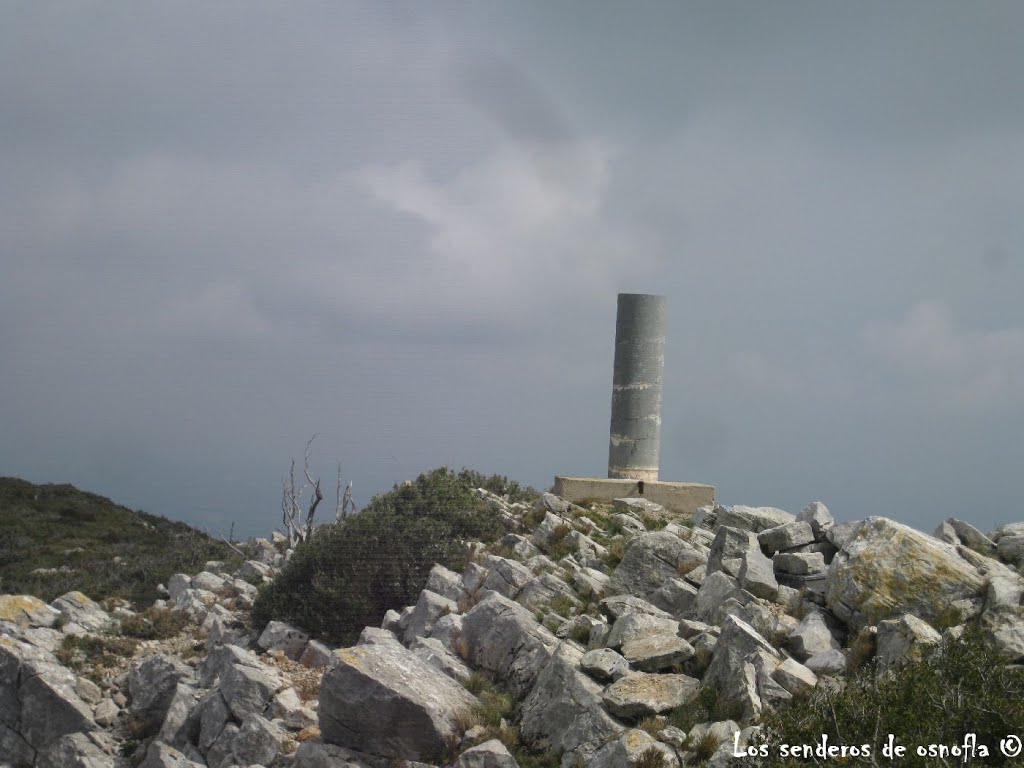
(635, 441)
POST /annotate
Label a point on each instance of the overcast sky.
(227, 226)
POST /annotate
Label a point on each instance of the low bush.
(960, 687)
(349, 573)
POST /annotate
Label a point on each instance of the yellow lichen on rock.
(19, 608)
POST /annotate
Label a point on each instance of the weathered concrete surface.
(680, 498)
(634, 442)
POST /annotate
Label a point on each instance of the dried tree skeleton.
(291, 498)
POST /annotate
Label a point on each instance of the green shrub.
(92, 545)
(348, 574)
(959, 687)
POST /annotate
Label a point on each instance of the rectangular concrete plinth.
(678, 498)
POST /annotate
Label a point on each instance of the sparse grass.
(702, 749)
(651, 758)
(95, 655)
(580, 633)
(558, 547)
(651, 725)
(563, 605)
(708, 707)
(153, 624)
(616, 550)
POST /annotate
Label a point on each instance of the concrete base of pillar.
(678, 498)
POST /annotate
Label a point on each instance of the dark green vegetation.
(960, 687)
(106, 550)
(348, 574)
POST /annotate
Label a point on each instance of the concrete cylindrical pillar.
(635, 440)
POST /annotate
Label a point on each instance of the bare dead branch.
(236, 549)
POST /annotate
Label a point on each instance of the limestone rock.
(152, 683)
(385, 701)
(650, 559)
(754, 519)
(502, 637)
(75, 750)
(904, 639)
(818, 517)
(794, 676)
(490, 754)
(634, 626)
(444, 582)
(258, 741)
(248, 689)
(27, 611)
(617, 606)
(785, 536)
(76, 608)
(717, 588)
(888, 569)
(160, 755)
(657, 651)
(436, 655)
(799, 563)
(972, 537)
(506, 577)
(639, 505)
(14, 748)
(757, 576)
(316, 655)
(429, 608)
(728, 549)
(675, 597)
(628, 750)
(563, 711)
(551, 503)
(604, 664)
(811, 636)
(279, 636)
(641, 694)
(542, 589)
(830, 662)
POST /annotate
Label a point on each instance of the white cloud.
(513, 229)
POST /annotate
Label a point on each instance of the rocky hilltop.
(606, 636)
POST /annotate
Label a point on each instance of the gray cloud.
(225, 228)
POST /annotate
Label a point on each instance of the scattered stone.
(755, 519)
(279, 636)
(818, 517)
(830, 662)
(811, 636)
(658, 651)
(785, 536)
(799, 563)
(641, 694)
(904, 639)
(604, 664)
(629, 749)
(490, 754)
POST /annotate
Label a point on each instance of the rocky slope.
(603, 637)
